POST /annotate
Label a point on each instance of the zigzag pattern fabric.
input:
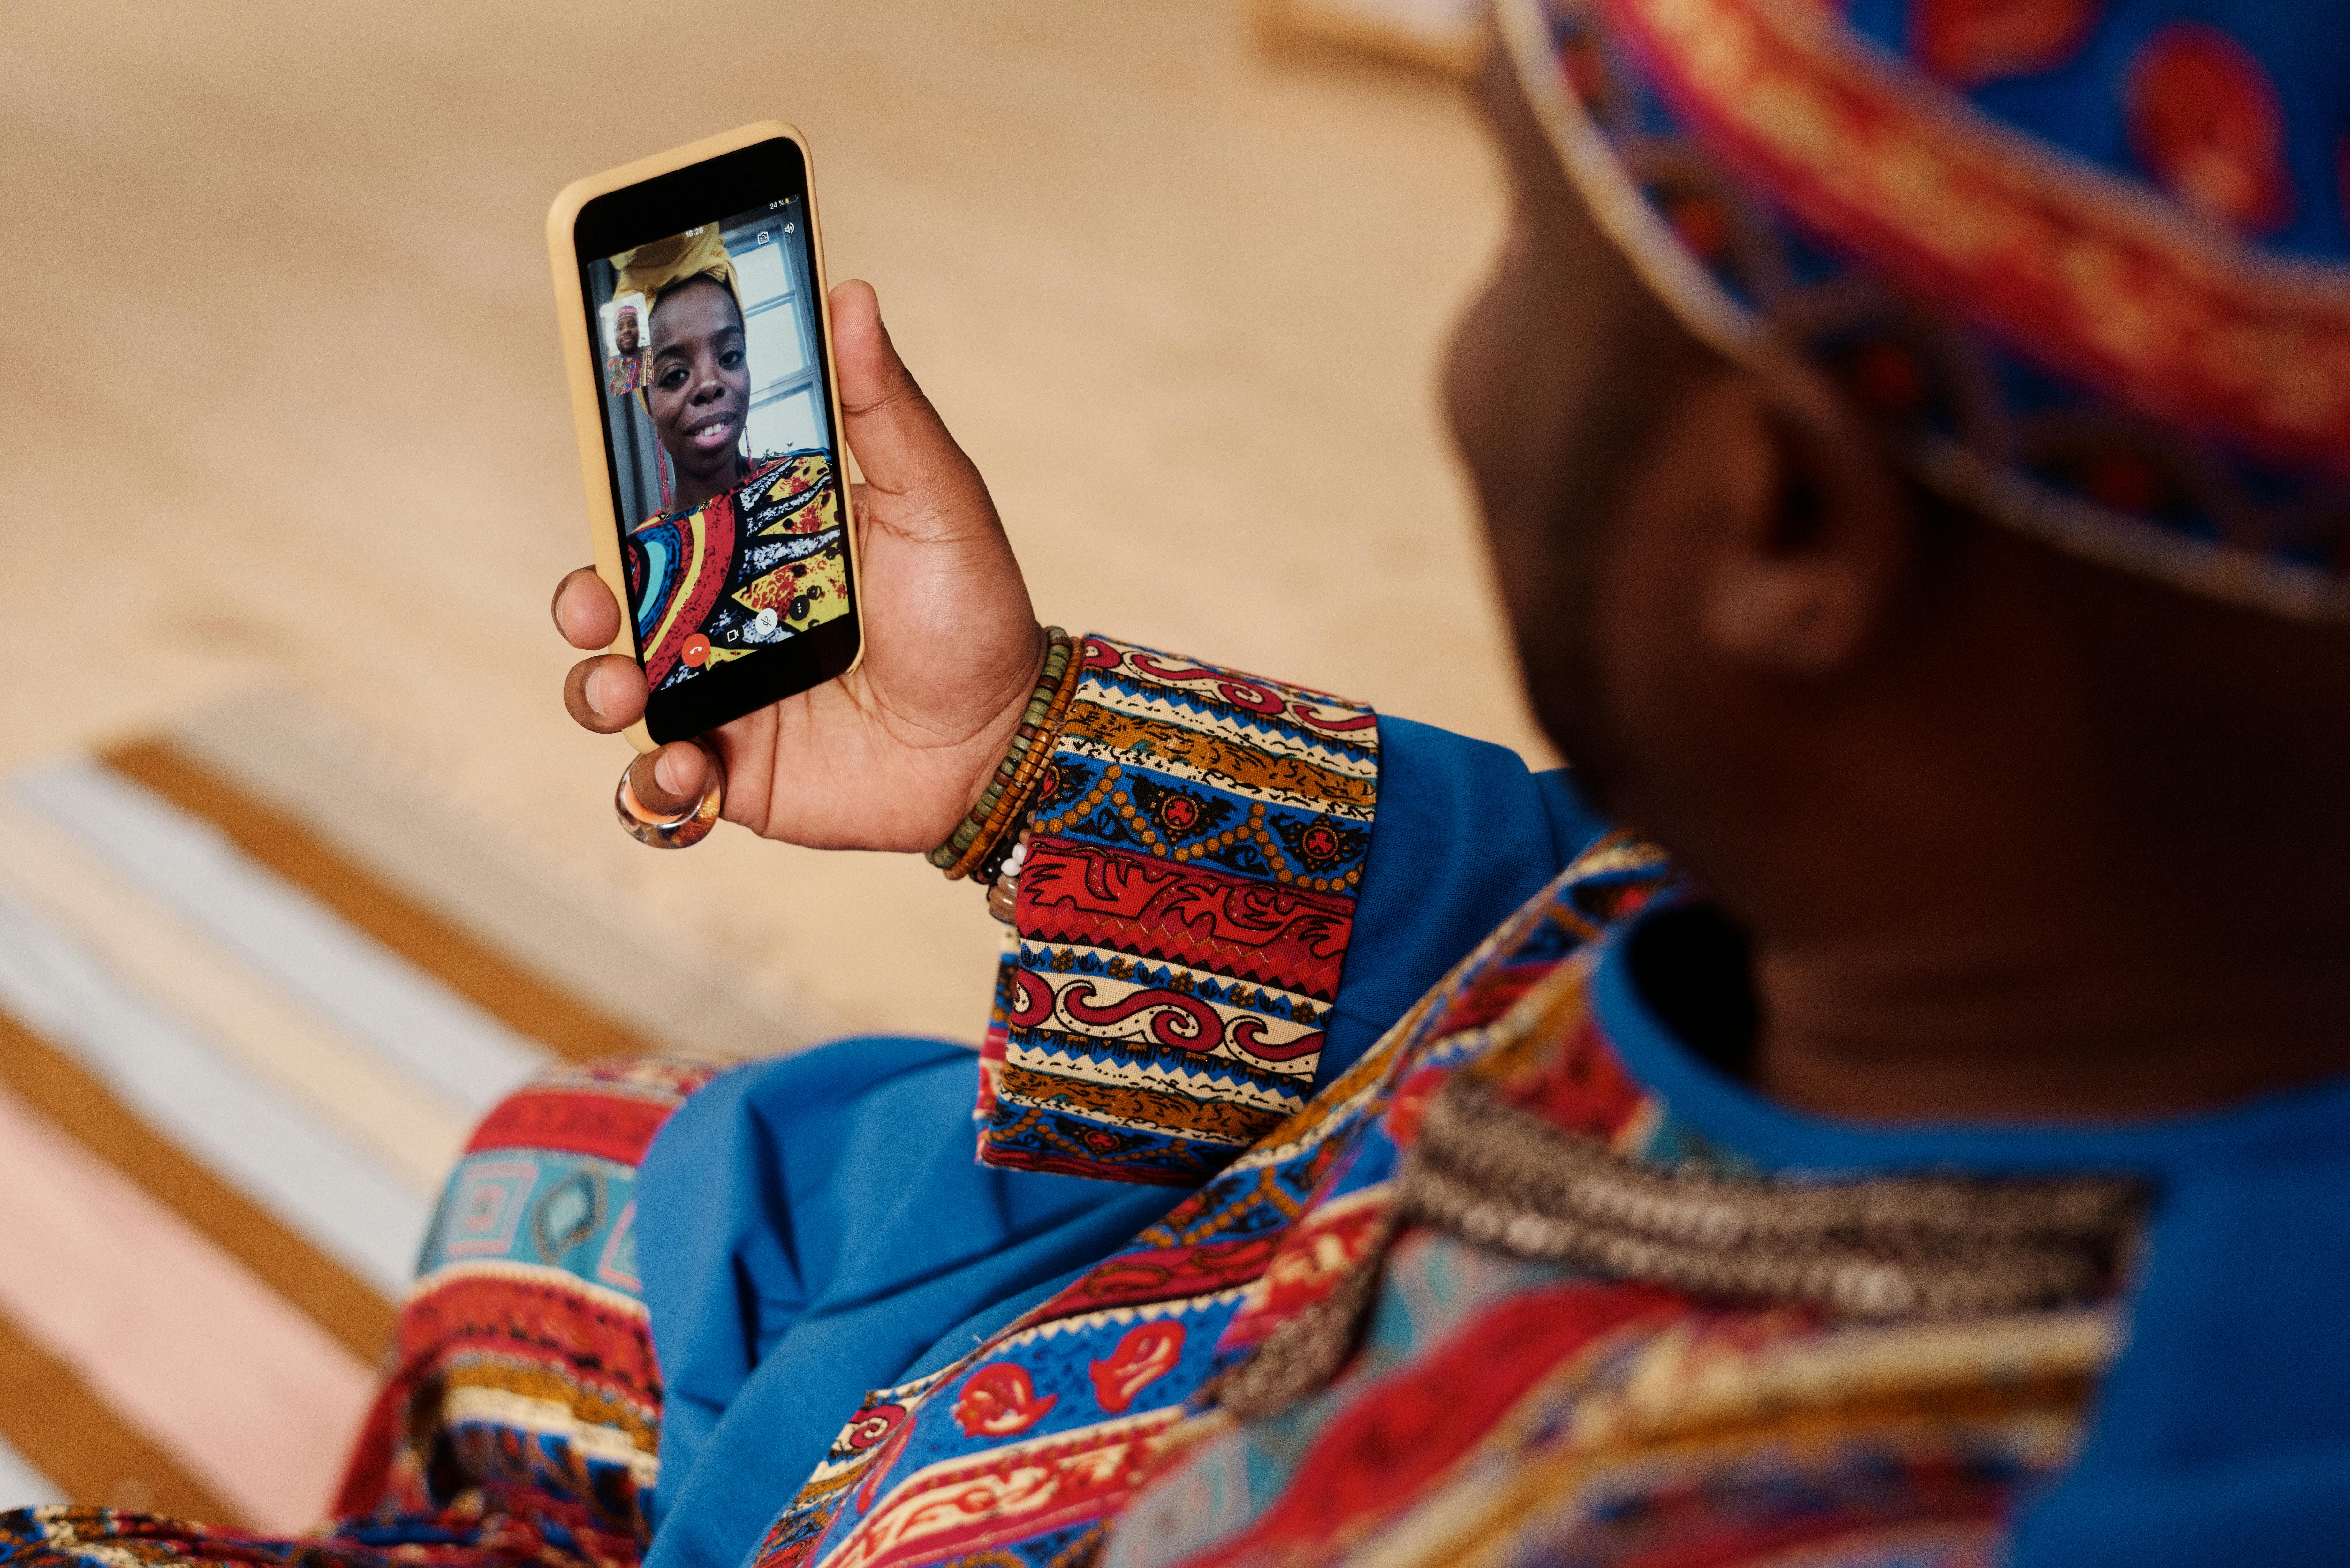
(1182, 918)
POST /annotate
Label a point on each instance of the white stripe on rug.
(416, 1130)
(374, 994)
(22, 1486)
(319, 770)
(248, 1395)
(343, 1203)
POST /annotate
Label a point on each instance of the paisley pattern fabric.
(518, 1418)
(1182, 919)
(2086, 262)
(756, 565)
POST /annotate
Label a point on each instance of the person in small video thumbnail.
(624, 368)
(746, 550)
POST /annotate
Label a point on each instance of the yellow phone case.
(580, 363)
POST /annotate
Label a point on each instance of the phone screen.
(718, 431)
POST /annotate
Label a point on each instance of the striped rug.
(254, 991)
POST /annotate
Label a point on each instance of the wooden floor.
(281, 398)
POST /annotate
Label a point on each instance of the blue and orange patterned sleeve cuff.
(1184, 909)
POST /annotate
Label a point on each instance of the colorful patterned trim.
(1196, 846)
(1022, 1452)
(2094, 366)
(2128, 291)
(523, 1344)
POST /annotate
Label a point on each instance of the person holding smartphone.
(1911, 445)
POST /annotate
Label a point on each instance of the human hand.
(892, 754)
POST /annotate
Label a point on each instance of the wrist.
(994, 814)
(994, 738)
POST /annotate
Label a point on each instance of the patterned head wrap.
(654, 268)
(2086, 262)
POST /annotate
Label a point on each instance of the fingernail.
(665, 773)
(587, 691)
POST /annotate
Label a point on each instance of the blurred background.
(289, 477)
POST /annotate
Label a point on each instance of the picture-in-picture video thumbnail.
(722, 441)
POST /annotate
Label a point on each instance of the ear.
(1813, 544)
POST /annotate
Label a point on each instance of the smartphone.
(691, 291)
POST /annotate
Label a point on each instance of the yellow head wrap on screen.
(652, 269)
(659, 265)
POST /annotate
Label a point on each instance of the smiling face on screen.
(699, 387)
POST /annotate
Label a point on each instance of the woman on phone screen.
(745, 550)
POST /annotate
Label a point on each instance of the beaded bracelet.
(1015, 776)
(1060, 657)
(987, 850)
(1057, 651)
(988, 846)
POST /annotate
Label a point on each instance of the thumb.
(901, 442)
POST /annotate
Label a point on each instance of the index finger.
(584, 612)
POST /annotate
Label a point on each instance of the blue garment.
(780, 1294)
(2222, 1432)
(812, 1228)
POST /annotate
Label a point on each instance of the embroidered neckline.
(1909, 1246)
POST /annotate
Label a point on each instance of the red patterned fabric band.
(523, 1345)
(1183, 914)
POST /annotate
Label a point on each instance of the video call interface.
(720, 437)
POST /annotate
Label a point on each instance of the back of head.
(2077, 279)
(2084, 271)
